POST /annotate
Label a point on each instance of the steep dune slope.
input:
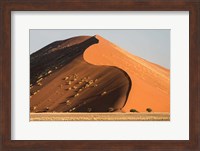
(57, 54)
(150, 82)
(62, 81)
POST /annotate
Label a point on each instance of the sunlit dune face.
(150, 83)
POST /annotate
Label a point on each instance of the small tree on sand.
(149, 110)
(133, 110)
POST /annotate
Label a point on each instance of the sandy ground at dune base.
(158, 116)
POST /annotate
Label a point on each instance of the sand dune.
(150, 82)
(90, 74)
(62, 81)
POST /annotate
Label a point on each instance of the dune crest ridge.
(150, 82)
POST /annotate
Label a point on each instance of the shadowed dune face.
(57, 54)
(62, 81)
(150, 82)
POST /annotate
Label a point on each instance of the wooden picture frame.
(6, 6)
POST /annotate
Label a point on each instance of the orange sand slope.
(62, 81)
(150, 82)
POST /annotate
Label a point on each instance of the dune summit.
(90, 74)
(62, 81)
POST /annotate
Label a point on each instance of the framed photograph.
(92, 75)
(87, 77)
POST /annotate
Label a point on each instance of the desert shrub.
(149, 110)
(133, 110)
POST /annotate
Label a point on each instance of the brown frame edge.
(6, 6)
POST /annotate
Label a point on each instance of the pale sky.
(152, 45)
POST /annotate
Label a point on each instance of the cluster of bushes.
(134, 110)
